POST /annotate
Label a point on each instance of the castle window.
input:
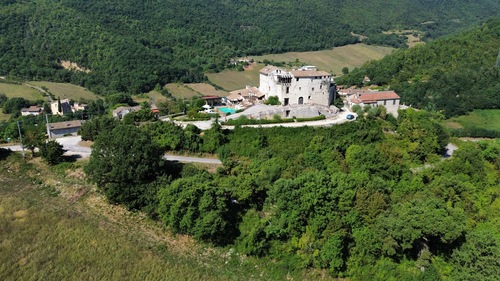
(297, 79)
(287, 90)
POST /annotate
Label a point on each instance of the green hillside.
(455, 74)
(130, 46)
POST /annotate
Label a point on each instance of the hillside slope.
(130, 46)
(455, 74)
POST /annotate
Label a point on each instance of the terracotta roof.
(32, 108)
(66, 125)
(373, 97)
(309, 73)
(269, 68)
(129, 108)
(247, 92)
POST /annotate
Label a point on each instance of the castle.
(305, 85)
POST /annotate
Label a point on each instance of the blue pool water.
(227, 110)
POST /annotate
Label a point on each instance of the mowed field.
(331, 61)
(187, 91)
(480, 118)
(21, 91)
(55, 227)
(66, 90)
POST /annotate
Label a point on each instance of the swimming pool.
(227, 110)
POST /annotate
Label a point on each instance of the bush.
(52, 152)
(273, 100)
(315, 118)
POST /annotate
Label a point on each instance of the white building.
(389, 99)
(32, 110)
(306, 85)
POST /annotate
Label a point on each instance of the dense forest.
(455, 74)
(131, 46)
(369, 200)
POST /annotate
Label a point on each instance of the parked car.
(350, 117)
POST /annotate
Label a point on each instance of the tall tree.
(122, 162)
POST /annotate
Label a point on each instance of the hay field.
(66, 90)
(180, 91)
(232, 80)
(331, 61)
(22, 91)
(206, 89)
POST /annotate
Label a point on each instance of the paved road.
(73, 147)
(341, 118)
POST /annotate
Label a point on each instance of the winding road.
(73, 147)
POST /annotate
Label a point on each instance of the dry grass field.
(66, 90)
(328, 60)
(206, 89)
(181, 91)
(232, 80)
(335, 59)
(54, 226)
(22, 91)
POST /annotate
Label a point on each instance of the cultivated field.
(53, 226)
(480, 118)
(66, 90)
(22, 91)
(232, 80)
(181, 91)
(328, 60)
(206, 89)
(187, 91)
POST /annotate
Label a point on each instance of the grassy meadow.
(66, 90)
(232, 80)
(4, 116)
(331, 61)
(181, 91)
(480, 118)
(22, 91)
(206, 89)
(53, 226)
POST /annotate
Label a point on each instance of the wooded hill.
(455, 74)
(130, 46)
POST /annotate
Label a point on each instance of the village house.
(121, 111)
(306, 85)
(32, 110)
(248, 96)
(65, 107)
(212, 100)
(79, 106)
(389, 99)
(60, 129)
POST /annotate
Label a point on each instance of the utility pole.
(48, 125)
(21, 138)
